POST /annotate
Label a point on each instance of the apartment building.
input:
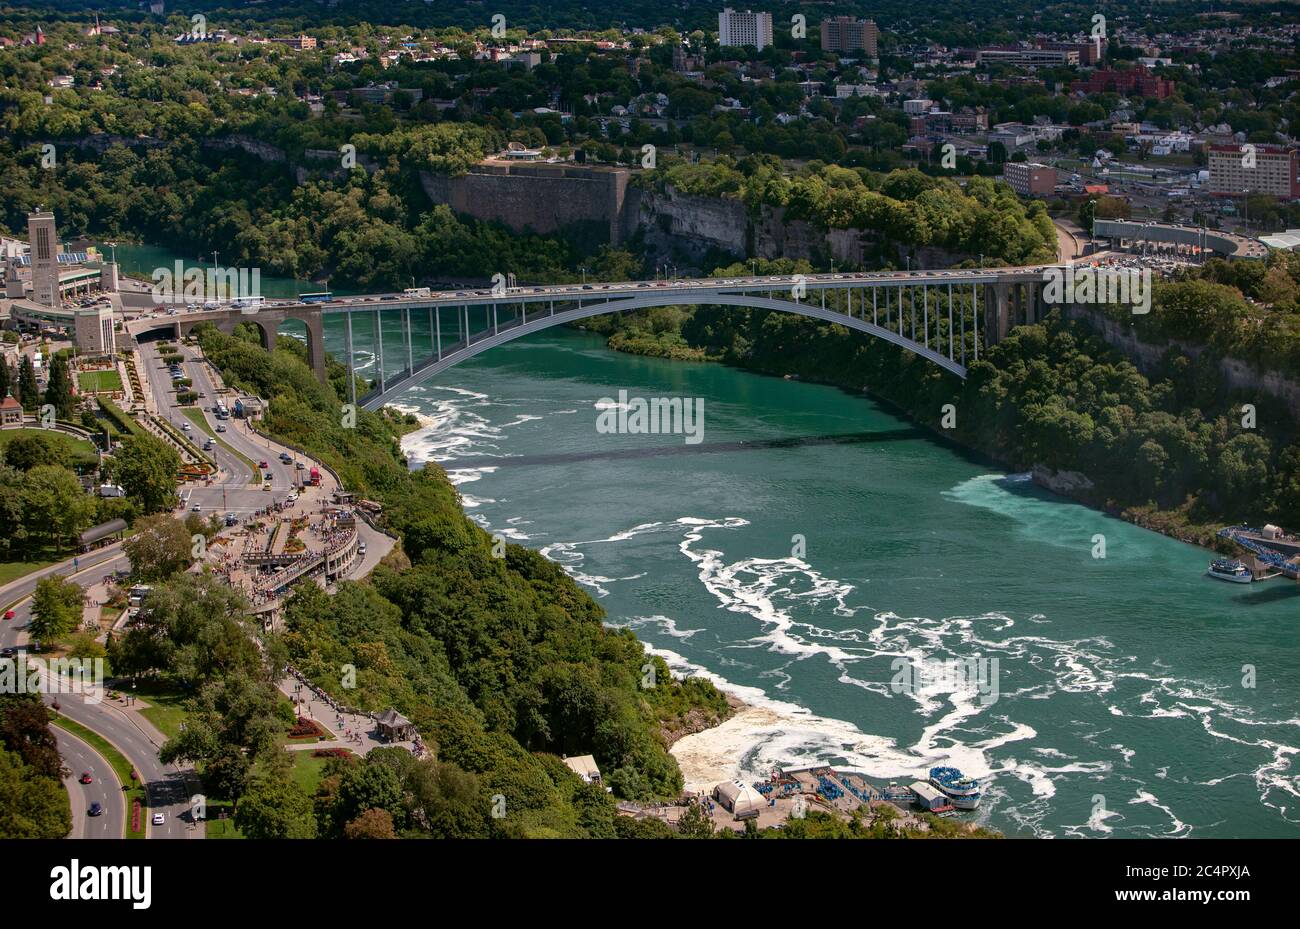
(1029, 179)
(738, 28)
(1268, 169)
(846, 34)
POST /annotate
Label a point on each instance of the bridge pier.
(997, 312)
(315, 324)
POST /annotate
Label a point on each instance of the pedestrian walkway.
(356, 732)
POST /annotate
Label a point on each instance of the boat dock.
(1273, 552)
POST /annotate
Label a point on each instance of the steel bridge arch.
(393, 387)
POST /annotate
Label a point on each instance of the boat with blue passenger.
(963, 791)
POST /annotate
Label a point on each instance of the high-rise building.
(1258, 169)
(744, 28)
(44, 244)
(846, 34)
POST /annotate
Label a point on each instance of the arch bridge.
(946, 317)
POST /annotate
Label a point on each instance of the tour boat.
(1233, 571)
(963, 791)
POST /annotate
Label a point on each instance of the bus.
(223, 412)
(323, 297)
(416, 292)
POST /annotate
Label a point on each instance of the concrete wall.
(544, 198)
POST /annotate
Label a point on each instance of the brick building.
(1134, 81)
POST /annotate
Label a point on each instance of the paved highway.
(105, 789)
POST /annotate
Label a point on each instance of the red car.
(263, 465)
(9, 614)
(86, 777)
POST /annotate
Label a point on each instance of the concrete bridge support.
(998, 308)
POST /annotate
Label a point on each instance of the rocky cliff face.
(684, 223)
(1237, 374)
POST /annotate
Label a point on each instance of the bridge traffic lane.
(104, 789)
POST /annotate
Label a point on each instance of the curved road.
(105, 790)
(166, 785)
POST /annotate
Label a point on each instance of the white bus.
(247, 303)
(416, 292)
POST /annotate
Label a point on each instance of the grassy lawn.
(165, 708)
(76, 451)
(217, 828)
(12, 570)
(307, 771)
(94, 381)
(121, 767)
(196, 416)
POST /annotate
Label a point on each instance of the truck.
(315, 477)
(416, 292)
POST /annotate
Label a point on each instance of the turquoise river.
(808, 569)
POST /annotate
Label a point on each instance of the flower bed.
(332, 753)
(306, 729)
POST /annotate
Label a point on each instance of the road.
(105, 790)
(88, 569)
(129, 733)
(235, 489)
(25, 585)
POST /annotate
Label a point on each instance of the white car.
(196, 508)
(159, 819)
(291, 498)
(185, 426)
